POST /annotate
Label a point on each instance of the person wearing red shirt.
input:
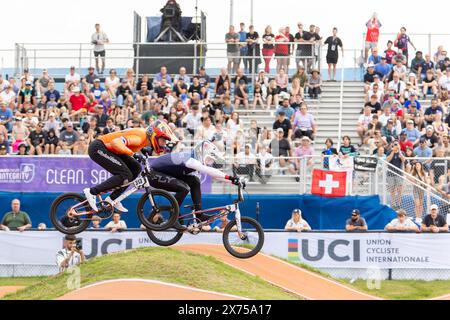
(404, 142)
(389, 53)
(282, 50)
(373, 33)
(77, 102)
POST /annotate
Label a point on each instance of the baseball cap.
(383, 57)
(297, 211)
(280, 130)
(52, 114)
(305, 138)
(430, 127)
(69, 124)
(371, 65)
(356, 211)
(76, 89)
(65, 116)
(2, 147)
(434, 207)
(390, 121)
(28, 83)
(96, 80)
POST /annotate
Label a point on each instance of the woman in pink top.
(282, 80)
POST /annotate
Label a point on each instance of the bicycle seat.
(189, 206)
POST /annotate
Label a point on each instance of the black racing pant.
(180, 185)
(123, 168)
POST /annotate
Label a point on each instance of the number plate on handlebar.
(140, 183)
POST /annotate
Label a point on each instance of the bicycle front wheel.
(248, 242)
(59, 214)
(162, 215)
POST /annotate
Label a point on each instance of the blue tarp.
(322, 213)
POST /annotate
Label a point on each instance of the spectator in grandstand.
(299, 82)
(397, 86)
(347, 149)
(423, 150)
(333, 43)
(221, 80)
(282, 80)
(402, 41)
(375, 58)
(430, 136)
(282, 50)
(363, 123)
(207, 130)
(383, 69)
(287, 109)
(389, 53)
(232, 39)
(268, 47)
(69, 256)
(402, 223)
(283, 123)
(244, 162)
(369, 76)
(420, 185)
(328, 152)
(417, 64)
(412, 101)
(88, 80)
(444, 80)
(304, 150)
(304, 124)
(243, 50)
(404, 142)
(297, 223)
(68, 138)
(19, 134)
(15, 220)
(429, 85)
(99, 39)
(182, 75)
(258, 97)
(356, 222)
(439, 167)
(273, 93)
(280, 147)
(8, 96)
(372, 35)
(116, 225)
(432, 110)
(6, 116)
(253, 50)
(373, 102)
(395, 173)
(401, 69)
(51, 142)
(314, 84)
(389, 132)
(77, 103)
(264, 163)
(241, 96)
(123, 92)
(443, 65)
(434, 222)
(72, 77)
(440, 54)
(97, 89)
(36, 141)
(28, 93)
(43, 82)
(203, 77)
(3, 147)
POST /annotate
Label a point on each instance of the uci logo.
(333, 250)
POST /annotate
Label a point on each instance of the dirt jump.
(8, 289)
(301, 282)
(140, 289)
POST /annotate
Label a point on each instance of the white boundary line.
(444, 297)
(160, 283)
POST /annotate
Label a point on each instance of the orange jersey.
(126, 142)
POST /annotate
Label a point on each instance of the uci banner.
(320, 250)
(56, 174)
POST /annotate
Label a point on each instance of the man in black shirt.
(36, 140)
(280, 147)
(284, 124)
(195, 87)
(368, 77)
(240, 76)
(431, 137)
(374, 104)
(434, 222)
(395, 174)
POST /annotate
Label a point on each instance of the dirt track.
(8, 289)
(140, 289)
(282, 274)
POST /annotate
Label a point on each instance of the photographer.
(71, 255)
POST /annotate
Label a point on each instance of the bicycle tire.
(174, 212)
(164, 243)
(57, 223)
(229, 247)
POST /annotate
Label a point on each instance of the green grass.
(406, 289)
(162, 264)
(392, 289)
(26, 281)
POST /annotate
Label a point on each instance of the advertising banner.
(56, 174)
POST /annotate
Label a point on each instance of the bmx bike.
(70, 213)
(243, 237)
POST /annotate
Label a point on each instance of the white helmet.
(207, 153)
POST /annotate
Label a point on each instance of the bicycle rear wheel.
(248, 243)
(166, 207)
(59, 214)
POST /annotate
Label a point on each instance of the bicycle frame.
(228, 208)
(142, 181)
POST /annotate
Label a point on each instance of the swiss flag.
(329, 183)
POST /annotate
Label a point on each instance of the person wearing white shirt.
(70, 256)
(363, 123)
(183, 76)
(444, 81)
(206, 131)
(193, 120)
(99, 39)
(72, 77)
(244, 162)
(402, 223)
(297, 223)
(112, 82)
(8, 95)
(264, 161)
(397, 85)
(116, 224)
